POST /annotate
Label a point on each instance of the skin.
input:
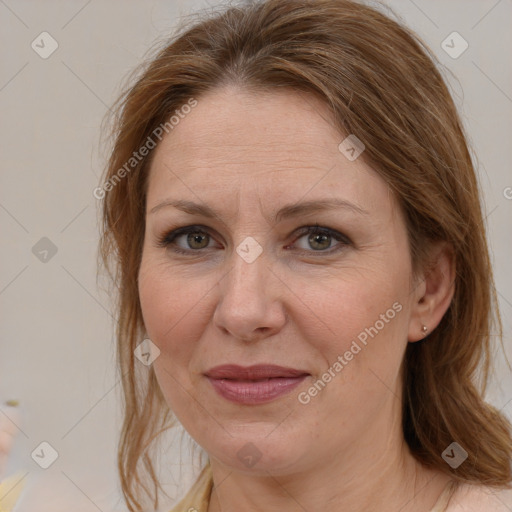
(246, 155)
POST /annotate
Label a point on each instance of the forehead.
(266, 144)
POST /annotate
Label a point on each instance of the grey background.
(57, 351)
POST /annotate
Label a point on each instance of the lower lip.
(255, 392)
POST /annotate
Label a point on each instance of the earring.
(424, 329)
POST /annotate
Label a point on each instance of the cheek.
(173, 311)
(364, 322)
(361, 314)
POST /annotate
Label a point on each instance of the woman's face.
(251, 286)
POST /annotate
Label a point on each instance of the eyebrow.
(288, 211)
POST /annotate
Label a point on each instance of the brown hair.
(382, 85)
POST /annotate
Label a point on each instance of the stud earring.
(424, 329)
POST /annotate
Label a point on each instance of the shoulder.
(479, 498)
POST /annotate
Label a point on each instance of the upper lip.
(255, 372)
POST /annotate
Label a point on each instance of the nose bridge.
(244, 284)
(247, 307)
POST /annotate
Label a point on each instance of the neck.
(366, 475)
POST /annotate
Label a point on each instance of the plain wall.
(57, 348)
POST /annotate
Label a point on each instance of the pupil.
(195, 238)
(318, 238)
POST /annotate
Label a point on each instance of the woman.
(293, 220)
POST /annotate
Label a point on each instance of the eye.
(320, 239)
(193, 239)
(189, 239)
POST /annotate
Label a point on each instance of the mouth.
(254, 384)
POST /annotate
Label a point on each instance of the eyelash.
(169, 238)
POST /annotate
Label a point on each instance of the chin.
(260, 454)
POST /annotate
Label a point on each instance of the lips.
(254, 384)
(256, 372)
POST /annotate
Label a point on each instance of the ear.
(433, 292)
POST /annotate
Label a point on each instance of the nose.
(250, 305)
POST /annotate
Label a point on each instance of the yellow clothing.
(198, 498)
(10, 490)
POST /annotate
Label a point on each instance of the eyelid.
(168, 238)
(316, 228)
